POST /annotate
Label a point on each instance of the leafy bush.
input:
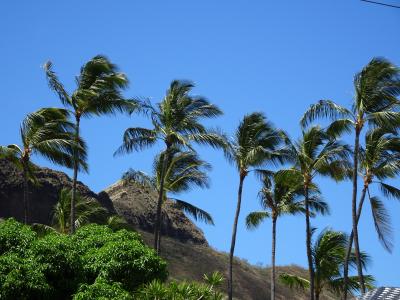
(103, 290)
(94, 236)
(104, 264)
(22, 278)
(60, 262)
(128, 262)
(15, 236)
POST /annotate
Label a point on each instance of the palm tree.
(278, 198)
(176, 122)
(98, 92)
(376, 87)
(256, 142)
(184, 171)
(381, 160)
(87, 210)
(328, 254)
(48, 133)
(316, 153)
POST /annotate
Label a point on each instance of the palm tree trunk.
(354, 212)
(26, 193)
(273, 258)
(160, 232)
(157, 227)
(316, 295)
(308, 243)
(348, 253)
(75, 176)
(233, 241)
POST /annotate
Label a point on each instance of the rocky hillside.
(135, 204)
(183, 244)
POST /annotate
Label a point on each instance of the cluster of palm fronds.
(288, 169)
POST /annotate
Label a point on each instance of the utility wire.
(380, 3)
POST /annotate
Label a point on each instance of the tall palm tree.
(378, 161)
(328, 254)
(278, 198)
(184, 171)
(98, 92)
(375, 103)
(255, 143)
(316, 153)
(48, 133)
(176, 122)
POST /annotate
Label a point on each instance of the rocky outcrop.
(136, 204)
(42, 196)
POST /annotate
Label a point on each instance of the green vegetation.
(97, 261)
(280, 197)
(176, 122)
(184, 171)
(256, 143)
(329, 256)
(46, 132)
(375, 105)
(59, 266)
(98, 92)
(183, 290)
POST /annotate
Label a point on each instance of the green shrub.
(94, 236)
(128, 262)
(22, 278)
(102, 290)
(60, 262)
(103, 263)
(15, 236)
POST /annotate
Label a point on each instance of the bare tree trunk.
(354, 214)
(160, 233)
(26, 193)
(233, 241)
(157, 226)
(75, 176)
(350, 245)
(316, 295)
(308, 243)
(273, 275)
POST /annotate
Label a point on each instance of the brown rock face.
(136, 204)
(42, 197)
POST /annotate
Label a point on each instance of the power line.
(380, 3)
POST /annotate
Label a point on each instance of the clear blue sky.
(272, 56)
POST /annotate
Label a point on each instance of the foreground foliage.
(58, 266)
(183, 290)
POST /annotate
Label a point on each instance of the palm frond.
(195, 212)
(382, 223)
(294, 282)
(339, 127)
(254, 219)
(56, 85)
(390, 191)
(136, 139)
(324, 109)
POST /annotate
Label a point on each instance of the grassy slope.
(187, 261)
